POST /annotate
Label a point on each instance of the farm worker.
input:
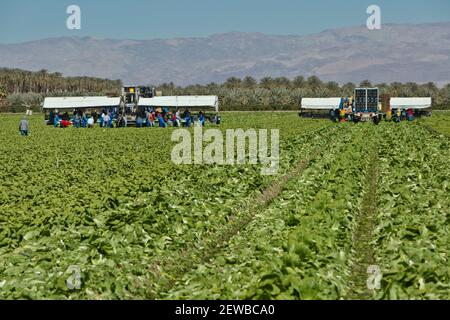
(173, 119)
(403, 114)
(106, 118)
(110, 122)
(176, 120)
(162, 123)
(342, 114)
(23, 126)
(119, 123)
(147, 119)
(84, 121)
(332, 117)
(399, 115)
(152, 118)
(187, 117)
(201, 119)
(102, 118)
(389, 115)
(376, 120)
(90, 122)
(336, 115)
(95, 116)
(410, 114)
(65, 123)
(139, 122)
(55, 120)
(76, 121)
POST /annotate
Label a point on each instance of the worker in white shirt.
(90, 122)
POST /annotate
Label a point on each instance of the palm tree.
(266, 83)
(282, 82)
(298, 82)
(348, 89)
(249, 82)
(233, 83)
(366, 84)
(314, 83)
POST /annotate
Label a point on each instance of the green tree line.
(21, 89)
(285, 94)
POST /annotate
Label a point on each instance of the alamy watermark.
(374, 277)
(229, 150)
(74, 280)
(73, 22)
(374, 20)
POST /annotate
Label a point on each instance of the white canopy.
(321, 103)
(181, 101)
(80, 102)
(413, 103)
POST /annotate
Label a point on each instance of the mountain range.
(406, 53)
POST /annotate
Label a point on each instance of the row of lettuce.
(303, 245)
(110, 206)
(300, 246)
(412, 237)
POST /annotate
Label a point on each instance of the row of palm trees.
(284, 93)
(20, 81)
(19, 88)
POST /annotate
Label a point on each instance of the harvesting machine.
(365, 105)
(132, 103)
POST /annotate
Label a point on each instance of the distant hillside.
(405, 53)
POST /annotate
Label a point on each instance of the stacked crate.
(385, 102)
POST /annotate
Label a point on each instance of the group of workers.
(399, 115)
(346, 113)
(144, 118)
(152, 118)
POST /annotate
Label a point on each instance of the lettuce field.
(356, 211)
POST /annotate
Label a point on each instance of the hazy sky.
(23, 20)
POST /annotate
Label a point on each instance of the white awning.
(181, 101)
(80, 102)
(321, 103)
(410, 103)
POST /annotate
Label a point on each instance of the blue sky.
(25, 20)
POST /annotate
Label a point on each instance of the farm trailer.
(133, 100)
(366, 104)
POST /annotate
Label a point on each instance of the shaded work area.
(137, 111)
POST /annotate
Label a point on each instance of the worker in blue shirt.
(55, 120)
(139, 121)
(76, 121)
(161, 121)
(201, 119)
(187, 118)
(84, 121)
